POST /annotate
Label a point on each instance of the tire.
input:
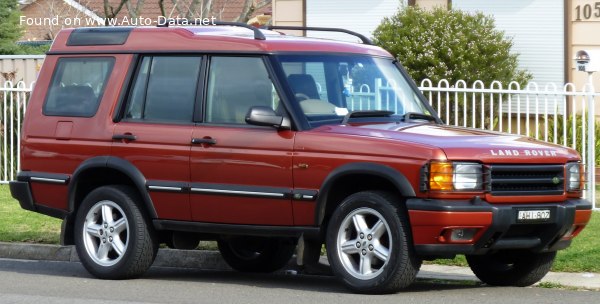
(256, 254)
(369, 244)
(112, 237)
(511, 268)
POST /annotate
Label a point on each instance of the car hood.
(464, 143)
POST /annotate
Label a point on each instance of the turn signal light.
(440, 176)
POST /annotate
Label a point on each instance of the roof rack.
(258, 35)
(364, 39)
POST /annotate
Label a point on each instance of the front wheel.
(112, 237)
(368, 244)
(511, 268)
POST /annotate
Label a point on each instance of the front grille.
(517, 180)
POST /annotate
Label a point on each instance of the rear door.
(156, 130)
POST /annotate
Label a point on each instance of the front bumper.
(496, 225)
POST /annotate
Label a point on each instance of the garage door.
(356, 15)
(537, 29)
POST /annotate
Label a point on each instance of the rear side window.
(164, 89)
(77, 86)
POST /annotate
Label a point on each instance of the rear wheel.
(368, 244)
(256, 254)
(112, 237)
(511, 268)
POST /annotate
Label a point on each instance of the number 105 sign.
(587, 11)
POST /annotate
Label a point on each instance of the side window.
(164, 89)
(236, 84)
(77, 86)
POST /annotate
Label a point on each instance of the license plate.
(533, 215)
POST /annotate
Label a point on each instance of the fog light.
(462, 234)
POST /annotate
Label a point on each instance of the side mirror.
(265, 116)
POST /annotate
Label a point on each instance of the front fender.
(395, 177)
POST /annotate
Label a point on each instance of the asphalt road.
(24, 281)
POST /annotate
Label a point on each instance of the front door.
(240, 174)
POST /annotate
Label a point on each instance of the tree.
(450, 44)
(57, 8)
(250, 7)
(134, 11)
(10, 29)
(111, 12)
(206, 8)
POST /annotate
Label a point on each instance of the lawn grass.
(18, 225)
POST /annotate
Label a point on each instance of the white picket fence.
(13, 99)
(543, 113)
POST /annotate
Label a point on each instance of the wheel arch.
(101, 171)
(355, 177)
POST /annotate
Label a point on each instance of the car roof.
(197, 38)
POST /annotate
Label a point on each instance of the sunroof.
(99, 36)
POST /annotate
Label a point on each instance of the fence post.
(591, 159)
(378, 85)
(7, 86)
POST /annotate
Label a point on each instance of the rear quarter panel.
(58, 144)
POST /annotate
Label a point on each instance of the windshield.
(327, 87)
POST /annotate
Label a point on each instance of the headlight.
(467, 176)
(574, 177)
(462, 176)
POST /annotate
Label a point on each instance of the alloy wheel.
(105, 233)
(363, 243)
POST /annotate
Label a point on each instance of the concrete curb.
(209, 260)
(212, 260)
(42, 252)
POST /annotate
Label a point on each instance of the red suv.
(266, 142)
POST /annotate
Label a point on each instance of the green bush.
(449, 44)
(21, 49)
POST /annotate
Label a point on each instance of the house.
(43, 19)
(546, 33)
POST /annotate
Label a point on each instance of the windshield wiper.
(365, 114)
(412, 116)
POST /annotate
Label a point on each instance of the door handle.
(125, 137)
(206, 141)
